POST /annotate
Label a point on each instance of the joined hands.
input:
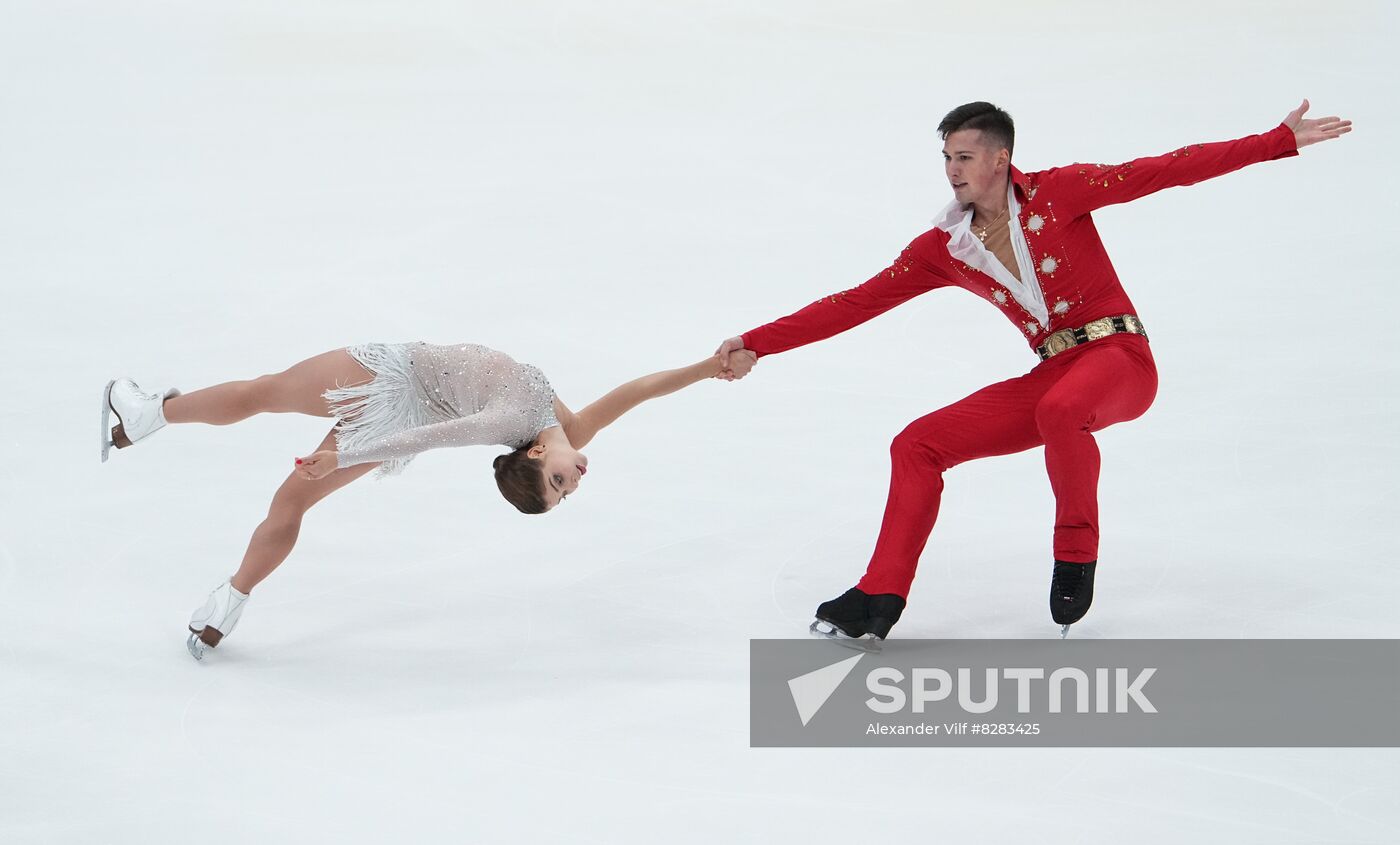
(735, 361)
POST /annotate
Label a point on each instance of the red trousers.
(1059, 405)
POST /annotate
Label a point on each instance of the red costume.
(1066, 281)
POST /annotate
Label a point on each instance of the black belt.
(1092, 330)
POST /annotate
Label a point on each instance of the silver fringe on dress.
(387, 405)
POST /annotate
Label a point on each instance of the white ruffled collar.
(966, 247)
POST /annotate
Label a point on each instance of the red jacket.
(1073, 270)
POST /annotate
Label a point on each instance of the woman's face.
(564, 468)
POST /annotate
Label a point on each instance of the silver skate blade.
(828, 631)
(1064, 631)
(196, 646)
(107, 418)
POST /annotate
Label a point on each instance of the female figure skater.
(391, 401)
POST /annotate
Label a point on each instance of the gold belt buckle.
(1099, 328)
(1103, 327)
(1059, 342)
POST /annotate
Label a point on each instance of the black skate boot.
(858, 619)
(1071, 593)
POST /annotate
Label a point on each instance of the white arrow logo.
(810, 691)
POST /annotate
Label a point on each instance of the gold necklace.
(983, 234)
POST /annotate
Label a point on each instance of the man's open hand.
(1311, 131)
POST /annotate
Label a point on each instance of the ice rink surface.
(198, 193)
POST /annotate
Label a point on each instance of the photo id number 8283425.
(996, 728)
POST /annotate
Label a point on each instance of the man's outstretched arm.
(1082, 188)
(911, 274)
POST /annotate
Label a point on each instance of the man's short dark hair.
(995, 124)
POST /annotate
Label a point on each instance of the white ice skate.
(139, 414)
(215, 620)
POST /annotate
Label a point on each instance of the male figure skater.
(1026, 243)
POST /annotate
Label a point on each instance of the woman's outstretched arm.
(581, 428)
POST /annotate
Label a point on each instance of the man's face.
(976, 172)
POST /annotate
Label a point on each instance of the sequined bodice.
(470, 395)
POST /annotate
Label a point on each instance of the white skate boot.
(215, 620)
(139, 415)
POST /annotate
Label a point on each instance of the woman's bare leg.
(296, 390)
(274, 537)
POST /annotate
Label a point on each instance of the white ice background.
(198, 192)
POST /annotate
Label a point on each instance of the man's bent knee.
(908, 446)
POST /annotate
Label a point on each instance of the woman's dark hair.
(995, 124)
(521, 480)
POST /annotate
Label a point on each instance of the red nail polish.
(298, 460)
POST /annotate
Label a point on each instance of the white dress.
(429, 396)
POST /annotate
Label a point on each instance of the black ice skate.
(1071, 593)
(858, 619)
